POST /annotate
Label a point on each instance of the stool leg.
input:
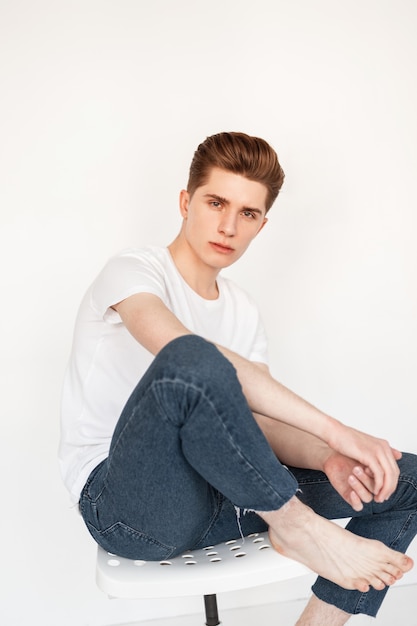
(210, 605)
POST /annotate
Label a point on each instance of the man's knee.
(190, 349)
(196, 355)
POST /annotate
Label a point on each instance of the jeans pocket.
(130, 543)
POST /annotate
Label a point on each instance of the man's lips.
(221, 248)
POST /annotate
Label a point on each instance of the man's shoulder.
(134, 258)
(143, 253)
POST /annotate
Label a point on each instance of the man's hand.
(351, 480)
(372, 453)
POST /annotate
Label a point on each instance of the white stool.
(236, 564)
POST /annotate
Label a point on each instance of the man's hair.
(239, 153)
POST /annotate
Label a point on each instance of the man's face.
(222, 217)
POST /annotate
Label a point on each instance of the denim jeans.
(187, 457)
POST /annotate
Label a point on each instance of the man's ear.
(263, 224)
(184, 202)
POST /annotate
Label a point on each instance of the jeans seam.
(238, 451)
(214, 518)
(403, 529)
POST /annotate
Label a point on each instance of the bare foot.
(333, 552)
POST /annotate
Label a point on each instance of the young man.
(172, 425)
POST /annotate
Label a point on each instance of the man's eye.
(215, 204)
(249, 214)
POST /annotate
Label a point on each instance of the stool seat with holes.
(236, 564)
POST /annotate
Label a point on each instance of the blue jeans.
(187, 455)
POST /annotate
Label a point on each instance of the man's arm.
(266, 396)
(154, 325)
(298, 448)
(293, 446)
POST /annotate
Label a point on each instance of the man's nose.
(227, 225)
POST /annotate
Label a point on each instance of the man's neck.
(200, 277)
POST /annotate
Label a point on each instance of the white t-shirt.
(106, 362)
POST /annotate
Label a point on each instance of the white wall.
(102, 104)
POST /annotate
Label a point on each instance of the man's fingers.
(364, 475)
(390, 472)
(362, 492)
(355, 501)
(397, 454)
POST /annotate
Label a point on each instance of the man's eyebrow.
(214, 196)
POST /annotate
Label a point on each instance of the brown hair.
(239, 153)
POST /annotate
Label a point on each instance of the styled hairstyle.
(239, 153)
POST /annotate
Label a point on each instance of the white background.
(102, 105)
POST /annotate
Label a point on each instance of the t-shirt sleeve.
(123, 276)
